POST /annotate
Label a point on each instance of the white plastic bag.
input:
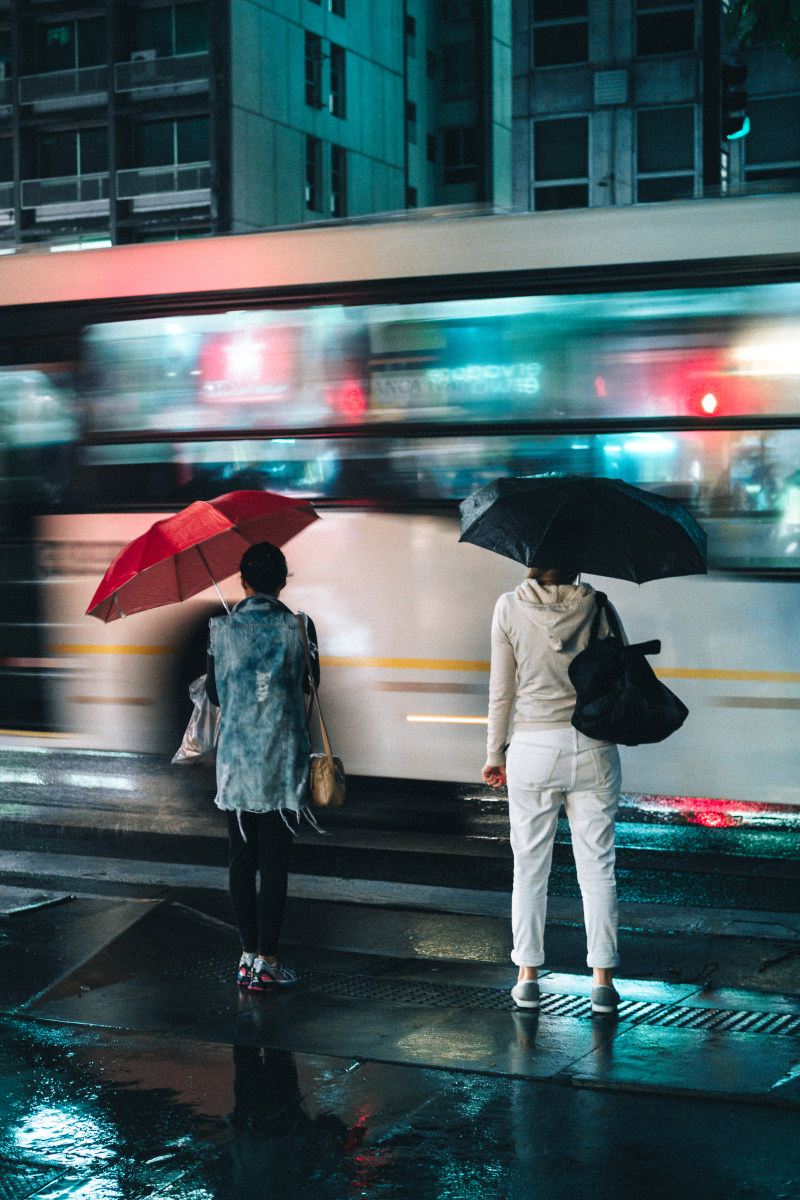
(200, 740)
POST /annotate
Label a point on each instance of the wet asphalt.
(132, 1066)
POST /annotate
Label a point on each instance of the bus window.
(744, 482)
(37, 432)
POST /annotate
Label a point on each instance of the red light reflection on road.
(711, 811)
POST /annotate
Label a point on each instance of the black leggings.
(259, 912)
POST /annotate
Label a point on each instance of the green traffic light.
(740, 133)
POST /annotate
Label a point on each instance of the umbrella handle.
(213, 580)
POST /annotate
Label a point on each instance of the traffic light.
(735, 122)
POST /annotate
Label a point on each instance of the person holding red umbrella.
(257, 674)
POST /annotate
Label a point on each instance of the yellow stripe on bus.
(37, 733)
(753, 676)
(405, 664)
(457, 664)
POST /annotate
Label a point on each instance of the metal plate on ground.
(21, 1180)
(442, 995)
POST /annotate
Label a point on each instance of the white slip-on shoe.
(604, 999)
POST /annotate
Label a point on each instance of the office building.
(142, 120)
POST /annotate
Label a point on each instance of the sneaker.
(525, 993)
(266, 975)
(245, 970)
(604, 999)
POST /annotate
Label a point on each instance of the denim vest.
(263, 748)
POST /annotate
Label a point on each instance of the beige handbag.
(327, 777)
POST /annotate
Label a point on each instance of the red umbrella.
(181, 555)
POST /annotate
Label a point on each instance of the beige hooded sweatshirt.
(536, 633)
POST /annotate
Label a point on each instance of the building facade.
(621, 102)
(139, 120)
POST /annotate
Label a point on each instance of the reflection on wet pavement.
(94, 1115)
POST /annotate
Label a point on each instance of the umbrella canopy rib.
(211, 577)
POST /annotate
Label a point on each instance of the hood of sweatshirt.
(559, 611)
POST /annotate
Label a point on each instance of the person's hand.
(494, 776)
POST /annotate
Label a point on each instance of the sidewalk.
(161, 967)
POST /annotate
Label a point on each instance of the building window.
(455, 11)
(65, 45)
(313, 66)
(431, 152)
(561, 163)
(411, 197)
(6, 160)
(411, 121)
(338, 181)
(458, 70)
(430, 64)
(313, 174)
(664, 26)
(336, 100)
(166, 143)
(337, 7)
(411, 36)
(460, 153)
(68, 153)
(665, 157)
(772, 148)
(560, 32)
(171, 29)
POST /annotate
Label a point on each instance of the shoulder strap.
(601, 600)
(314, 694)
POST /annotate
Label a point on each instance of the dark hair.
(263, 568)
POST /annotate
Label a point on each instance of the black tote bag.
(619, 698)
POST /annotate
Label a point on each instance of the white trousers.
(546, 769)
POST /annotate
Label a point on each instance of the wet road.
(94, 1114)
(81, 815)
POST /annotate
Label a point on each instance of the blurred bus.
(384, 371)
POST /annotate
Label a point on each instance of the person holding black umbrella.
(603, 527)
(536, 632)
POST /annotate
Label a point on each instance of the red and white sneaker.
(245, 970)
(264, 975)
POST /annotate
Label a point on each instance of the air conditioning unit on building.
(143, 68)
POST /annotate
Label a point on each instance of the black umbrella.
(598, 526)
